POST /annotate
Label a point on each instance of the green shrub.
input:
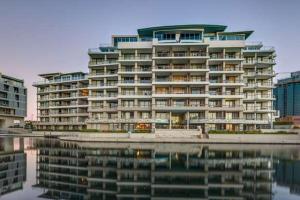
(283, 123)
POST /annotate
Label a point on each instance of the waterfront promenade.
(170, 138)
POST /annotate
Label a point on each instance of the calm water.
(52, 169)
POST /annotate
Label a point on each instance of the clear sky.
(41, 36)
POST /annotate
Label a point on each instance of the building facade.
(62, 101)
(13, 101)
(181, 77)
(68, 170)
(12, 165)
(287, 93)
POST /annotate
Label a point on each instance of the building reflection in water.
(150, 171)
(288, 175)
(12, 164)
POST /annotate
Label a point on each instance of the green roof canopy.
(208, 28)
(246, 33)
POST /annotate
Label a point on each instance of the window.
(190, 36)
(165, 36)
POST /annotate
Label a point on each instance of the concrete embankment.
(168, 138)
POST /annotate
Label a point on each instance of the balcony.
(181, 68)
(214, 82)
(135, 71)
(226, 70)
(67, 97)
(260, 74)
(120, 120)
(259, 109)
(266, 97)
(135, 83)
(67, 105)
(102, 75)
(198, 94)
(215, 95)
(48, 82)
(144, 94)
(226, 107)
(259, 62)
(180, 81)
(108, 96)
(134, 107)
(103, 63)
(133, 58)
(103, 108)
(259, 86)
(104, 85)
(179, 107)
(226, 57)
(62, 114)
(181, 55)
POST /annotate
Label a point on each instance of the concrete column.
(170, 120)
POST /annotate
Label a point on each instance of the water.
(52, 169)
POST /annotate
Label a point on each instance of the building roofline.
(246, 33)
(208, 28)
(11, 78)
(47, 75)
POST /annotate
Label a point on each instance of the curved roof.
(246, 33)
(208, 28)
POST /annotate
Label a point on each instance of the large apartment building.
(181, 77)
(62, 101)
(13, 101)
(174, 77)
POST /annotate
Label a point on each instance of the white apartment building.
(62, 101)
(181, 77)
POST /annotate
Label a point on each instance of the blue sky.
(40, 36)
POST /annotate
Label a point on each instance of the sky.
(41, 36)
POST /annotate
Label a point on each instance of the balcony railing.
(227, 69)
(103, 62)
(181, 54)
(181, 80)
(268, 61)
(226, 56)
(59, 80)
(263, 73)
(180, 67)
(104, 95)
(140, 57)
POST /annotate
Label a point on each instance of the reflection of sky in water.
(283, 193)
(31, 193)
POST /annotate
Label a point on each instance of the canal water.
(53, 169)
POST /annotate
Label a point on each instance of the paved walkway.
(152, 138)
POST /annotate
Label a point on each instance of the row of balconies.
(69, 79)
(47, 98)
(259, 61)
(185, 107)
(181, 54)
(221, 120)
(65, 122)
(148, 57)
(260, 73)
(259, 85)
(58, 89)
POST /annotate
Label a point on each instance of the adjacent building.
(13, 101)
(178, 77)
(287, 93)
(12, 165)
(62, 101)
